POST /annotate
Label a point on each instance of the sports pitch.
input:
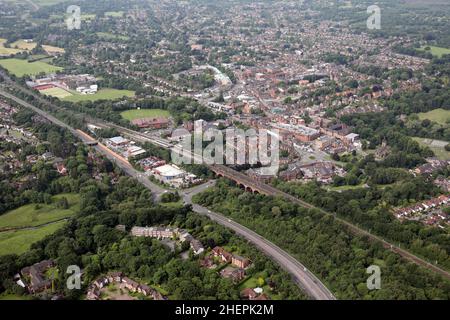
(103, 94)
(144, 113)
(56, 92)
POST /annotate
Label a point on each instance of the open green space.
(437, 146)
(47, 2)
(109, 36)
(18, 242)
(10, 296)
(7, 51)
(103, 94)
(88, 16)
(144, 113)
(436, 51)
(114, 14)
(20, 67)
(31, 215)
(56, 92)
(345, 188)
(440, 116)
(48, 49)
(22, 44)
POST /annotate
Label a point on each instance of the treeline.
(91, 241)
(37, 181)
(326, 247)
(370, 208)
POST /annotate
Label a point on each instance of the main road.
(305, 279)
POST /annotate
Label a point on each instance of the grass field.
(103, 94)
(20, 241)
(14, 297)
(88, 17)
(106, 35)
(47, 2)
(22, 67)
(438, 147)
(436, 51)
(29, 216)
(438, 115)
(21, 44)
(7, 51)
(114, 14)
(48, 49)
(56, 92)
(36, 57)
(345, 188)
(144, 113)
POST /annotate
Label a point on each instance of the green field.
(21, 44)
(144, 113)
(47, 2)
(56, 92)
(29, 216)
(88, 16)
(108, 36)
(436, 51)
(7, 51)
(20, 241)
(345, 188)
(11, 296)
(114, 14)
(440, 116)
(22, 67)
(103, 94)
(48, 48)
(438, 147)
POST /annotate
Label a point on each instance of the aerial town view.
(235, 150)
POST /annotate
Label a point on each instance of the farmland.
(49, 49)
(144, 113)
(21, 44)
(20, 67)
(7, 51)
